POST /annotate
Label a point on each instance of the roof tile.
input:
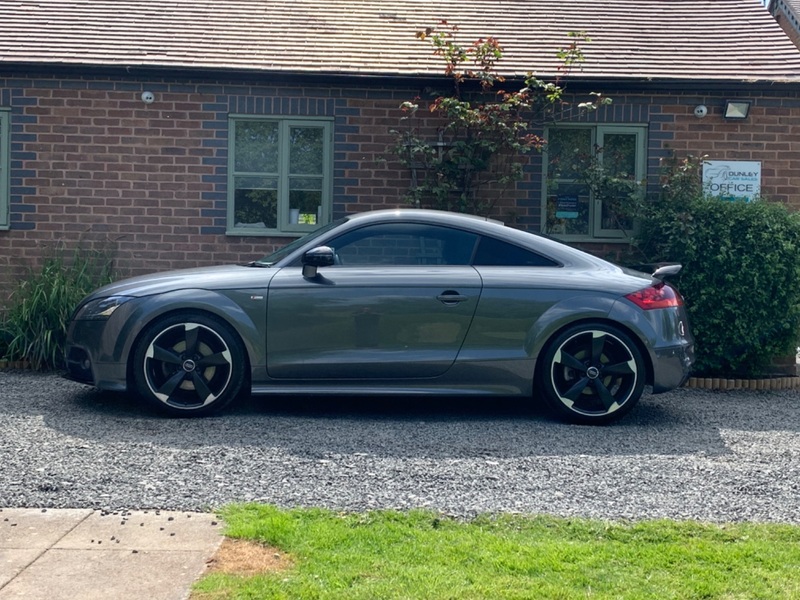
(674, 39)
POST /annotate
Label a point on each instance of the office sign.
(732, 179)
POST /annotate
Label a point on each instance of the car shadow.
(678, 422)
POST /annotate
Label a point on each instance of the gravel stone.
(687, 454)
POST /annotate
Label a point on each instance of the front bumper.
(92, 355)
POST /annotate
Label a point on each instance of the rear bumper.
(672, 366)
(666, 337)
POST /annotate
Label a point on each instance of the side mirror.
(321, 256)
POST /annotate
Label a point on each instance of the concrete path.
(71, 554)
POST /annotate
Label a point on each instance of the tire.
(592, 374)
(188, 364)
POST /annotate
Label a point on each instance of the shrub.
(740, 277)
(5, 340)
(35, 324)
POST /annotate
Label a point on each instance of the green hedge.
(740, 277)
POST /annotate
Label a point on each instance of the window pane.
(493, 252)
(568, 209)
(305, 150)
(619, 161)
(305, 183)
(305, 200)
(619, 154)
(405, 244)
(256, 147)
(567, 151)
(256, 202)
(614, 219)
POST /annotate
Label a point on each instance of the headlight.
(101, 309)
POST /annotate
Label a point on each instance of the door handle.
(451, 297)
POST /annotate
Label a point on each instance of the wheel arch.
(589, 321)
(220, 310)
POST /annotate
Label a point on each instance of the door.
(398, 305)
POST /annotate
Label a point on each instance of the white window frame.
(284, 227)
(598, 133)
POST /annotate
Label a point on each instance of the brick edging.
(716, 383)
(14, 364)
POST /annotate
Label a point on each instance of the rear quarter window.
(495, 253)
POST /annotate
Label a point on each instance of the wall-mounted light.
(736, 109)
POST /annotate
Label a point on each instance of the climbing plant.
(484, 128)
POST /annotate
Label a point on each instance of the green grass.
(385, 555)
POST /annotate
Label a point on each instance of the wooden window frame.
(284, 227)
(5, 167)
(598, 133)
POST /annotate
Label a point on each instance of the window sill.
(261, 232)
(620, 239)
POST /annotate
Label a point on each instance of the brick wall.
(91, 162)
(771, 135)
(367, 176)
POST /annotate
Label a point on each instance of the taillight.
(659, 295)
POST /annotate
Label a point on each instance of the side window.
(5, 147)
(279, 175)
(404, 244)
(494, 253)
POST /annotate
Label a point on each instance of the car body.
(401, 301)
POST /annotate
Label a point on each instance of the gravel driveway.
(688, 454)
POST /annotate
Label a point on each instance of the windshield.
(279, 255)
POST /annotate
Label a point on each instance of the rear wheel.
(189, 365)
(592, 373)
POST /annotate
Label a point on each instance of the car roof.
(423, 213)
(555, 249)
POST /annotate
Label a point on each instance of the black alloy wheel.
(189, 365)
(592, 373)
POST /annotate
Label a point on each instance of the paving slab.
(14, 561)
(37, 528)
(150, 530)
(25, 534)
(87, 555)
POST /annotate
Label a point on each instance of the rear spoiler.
(666, 271)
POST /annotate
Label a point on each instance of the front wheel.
(592, 374)
(188, 365)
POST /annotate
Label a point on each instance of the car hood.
(206, 278)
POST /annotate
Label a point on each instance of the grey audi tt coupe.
(391, 302)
